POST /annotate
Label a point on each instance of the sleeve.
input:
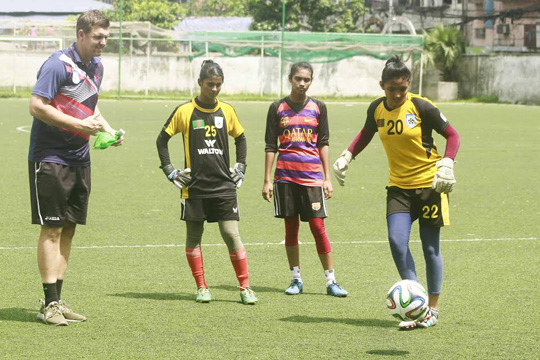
(364, 137)
(431, 115)
(452, 142)
(241, 148)
(323, 134)
(371, 124)
(51, 76)
(271, 134)
(360, 141)
(162, 144)
(234, 128)
(177, 121)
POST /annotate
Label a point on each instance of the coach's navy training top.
(73, 89)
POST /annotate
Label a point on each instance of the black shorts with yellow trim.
(425, 204)
(210, 209)
(291, 199)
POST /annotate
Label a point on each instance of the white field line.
(24, 128)
(265, 244)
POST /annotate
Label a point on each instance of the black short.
(211, 209)
(58, 193)
(291, 199)
(425, 204)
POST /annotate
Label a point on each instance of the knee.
(49, 233)
(397, 246)
(233, 241)
(394, 241)
(431, 252)
(193, 234)
(231, 236)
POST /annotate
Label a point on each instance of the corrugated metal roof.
(214, 23)
(50, 6)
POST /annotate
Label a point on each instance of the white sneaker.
(431, 318)
(406, 325)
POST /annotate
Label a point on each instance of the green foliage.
(161, 13)
(216, 7)
(488, 99)
(444, 47)
(312, 15)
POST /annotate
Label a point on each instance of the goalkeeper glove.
(180, 178)
(342, 165)
(237, 173)
(444, 180)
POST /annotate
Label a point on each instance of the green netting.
(312, 47)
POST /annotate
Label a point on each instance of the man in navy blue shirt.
(65, 111)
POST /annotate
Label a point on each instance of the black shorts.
(425, 204)
(211, 209)
(58, 193)
(291, 199)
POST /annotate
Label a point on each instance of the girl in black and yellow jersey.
(420, 179)
(208, 185)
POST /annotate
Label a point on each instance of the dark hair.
(300, 65)
(209, 69)
(395, 69)
(92, 18)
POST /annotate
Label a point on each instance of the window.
(480, 33)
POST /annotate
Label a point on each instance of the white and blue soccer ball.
(407, 300)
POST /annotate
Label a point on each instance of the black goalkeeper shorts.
(211, 209)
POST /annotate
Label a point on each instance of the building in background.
(496, 25)
(54, 10)
(509, 25)
(214, 23)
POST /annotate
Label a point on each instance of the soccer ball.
(407, 300)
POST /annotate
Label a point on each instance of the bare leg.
(65, 247)
(326, 261)
(293, 255)
(48, 253)
(434, 301)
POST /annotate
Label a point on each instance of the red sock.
(239, 262)
(292, 224)
(319, 233)
(195, 261)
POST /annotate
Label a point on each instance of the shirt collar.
(93, 61)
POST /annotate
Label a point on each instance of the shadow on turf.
(18, 314)
(387, 352)
(257, 289)
(355, 322)
(155, 296)
(174, 296)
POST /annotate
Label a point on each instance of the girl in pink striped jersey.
(297, 129)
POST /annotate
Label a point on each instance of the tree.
(444, 47)
(161, 13)
(312, 15)
(216, 7)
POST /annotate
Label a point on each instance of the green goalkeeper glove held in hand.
(180, 178)
(238, 174)
(342, 165)
(444, 180)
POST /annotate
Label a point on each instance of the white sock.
(330, 276)
(295, 272)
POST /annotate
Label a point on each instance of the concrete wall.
(512, 78)
(252, 75)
